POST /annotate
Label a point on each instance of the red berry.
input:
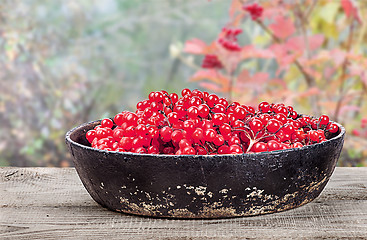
(91, 134)
(313, 135)
(273, 125)
(218, 140)
(201, 150)
(195, 101)
(173, 117)
(297, 145)
(212, 100)
(118, 133)
(188, 151)
(264, 107)
(192, 112)
(224, 149)
(140, 150)
(185, 92)
(273, 145)
(189, 126)
(126, 143)
(198, 135)
(219, 119)
(333, 128)
(256, 125)
(174, 97)
(203, 110)
(235, 149)
(165, 134)
(324, 120)
(168, 150)
(225, 129)
(184, 143)
(259, 147)
(219, 108)
(107, 123)
(211, 61)
(234, 140)
(119, 119)
(210, 135)
(176, 136)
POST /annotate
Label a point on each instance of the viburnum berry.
(224, 149)
(235, 149)
(273, 125)
(273, 145)
(153, 150)
(256, 125)
(185, 92)
(188, 151)
(229, 39)
(264, 107)
(91, 134)
(259, 147)
(218, 140)
(200, 150)
(210, 135)
(323, 120)
(107, 123)
(118, 133)
(184, 143)
(255, 10)
(192, 112)
(219, 119)
(211, 61)
(198, 135)
(119, 119)
(165, 133)
(333, 128)
(203, 110)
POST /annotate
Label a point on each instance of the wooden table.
(49, 203)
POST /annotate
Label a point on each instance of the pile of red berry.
(201, 123)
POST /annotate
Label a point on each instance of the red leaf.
(351, 9)
(211, 86)
(210, 74)
(298, 43)
(250, 51)
(309, 92)
(347, 109)
(278, 82)
(284, 58)
(282, 27)
(338, 56)
(235, 6)
(255, 82)
(195, 46)
(244, 76)
(260, 77)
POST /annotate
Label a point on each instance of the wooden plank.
(49, 203)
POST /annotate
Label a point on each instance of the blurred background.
(63, 63)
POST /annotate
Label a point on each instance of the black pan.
(209, 186)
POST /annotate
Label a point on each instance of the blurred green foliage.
(66, 62)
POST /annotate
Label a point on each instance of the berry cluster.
(255, 10)
(229, 40)
(211, 61)
(202, 123)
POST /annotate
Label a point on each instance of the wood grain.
(51, 203)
